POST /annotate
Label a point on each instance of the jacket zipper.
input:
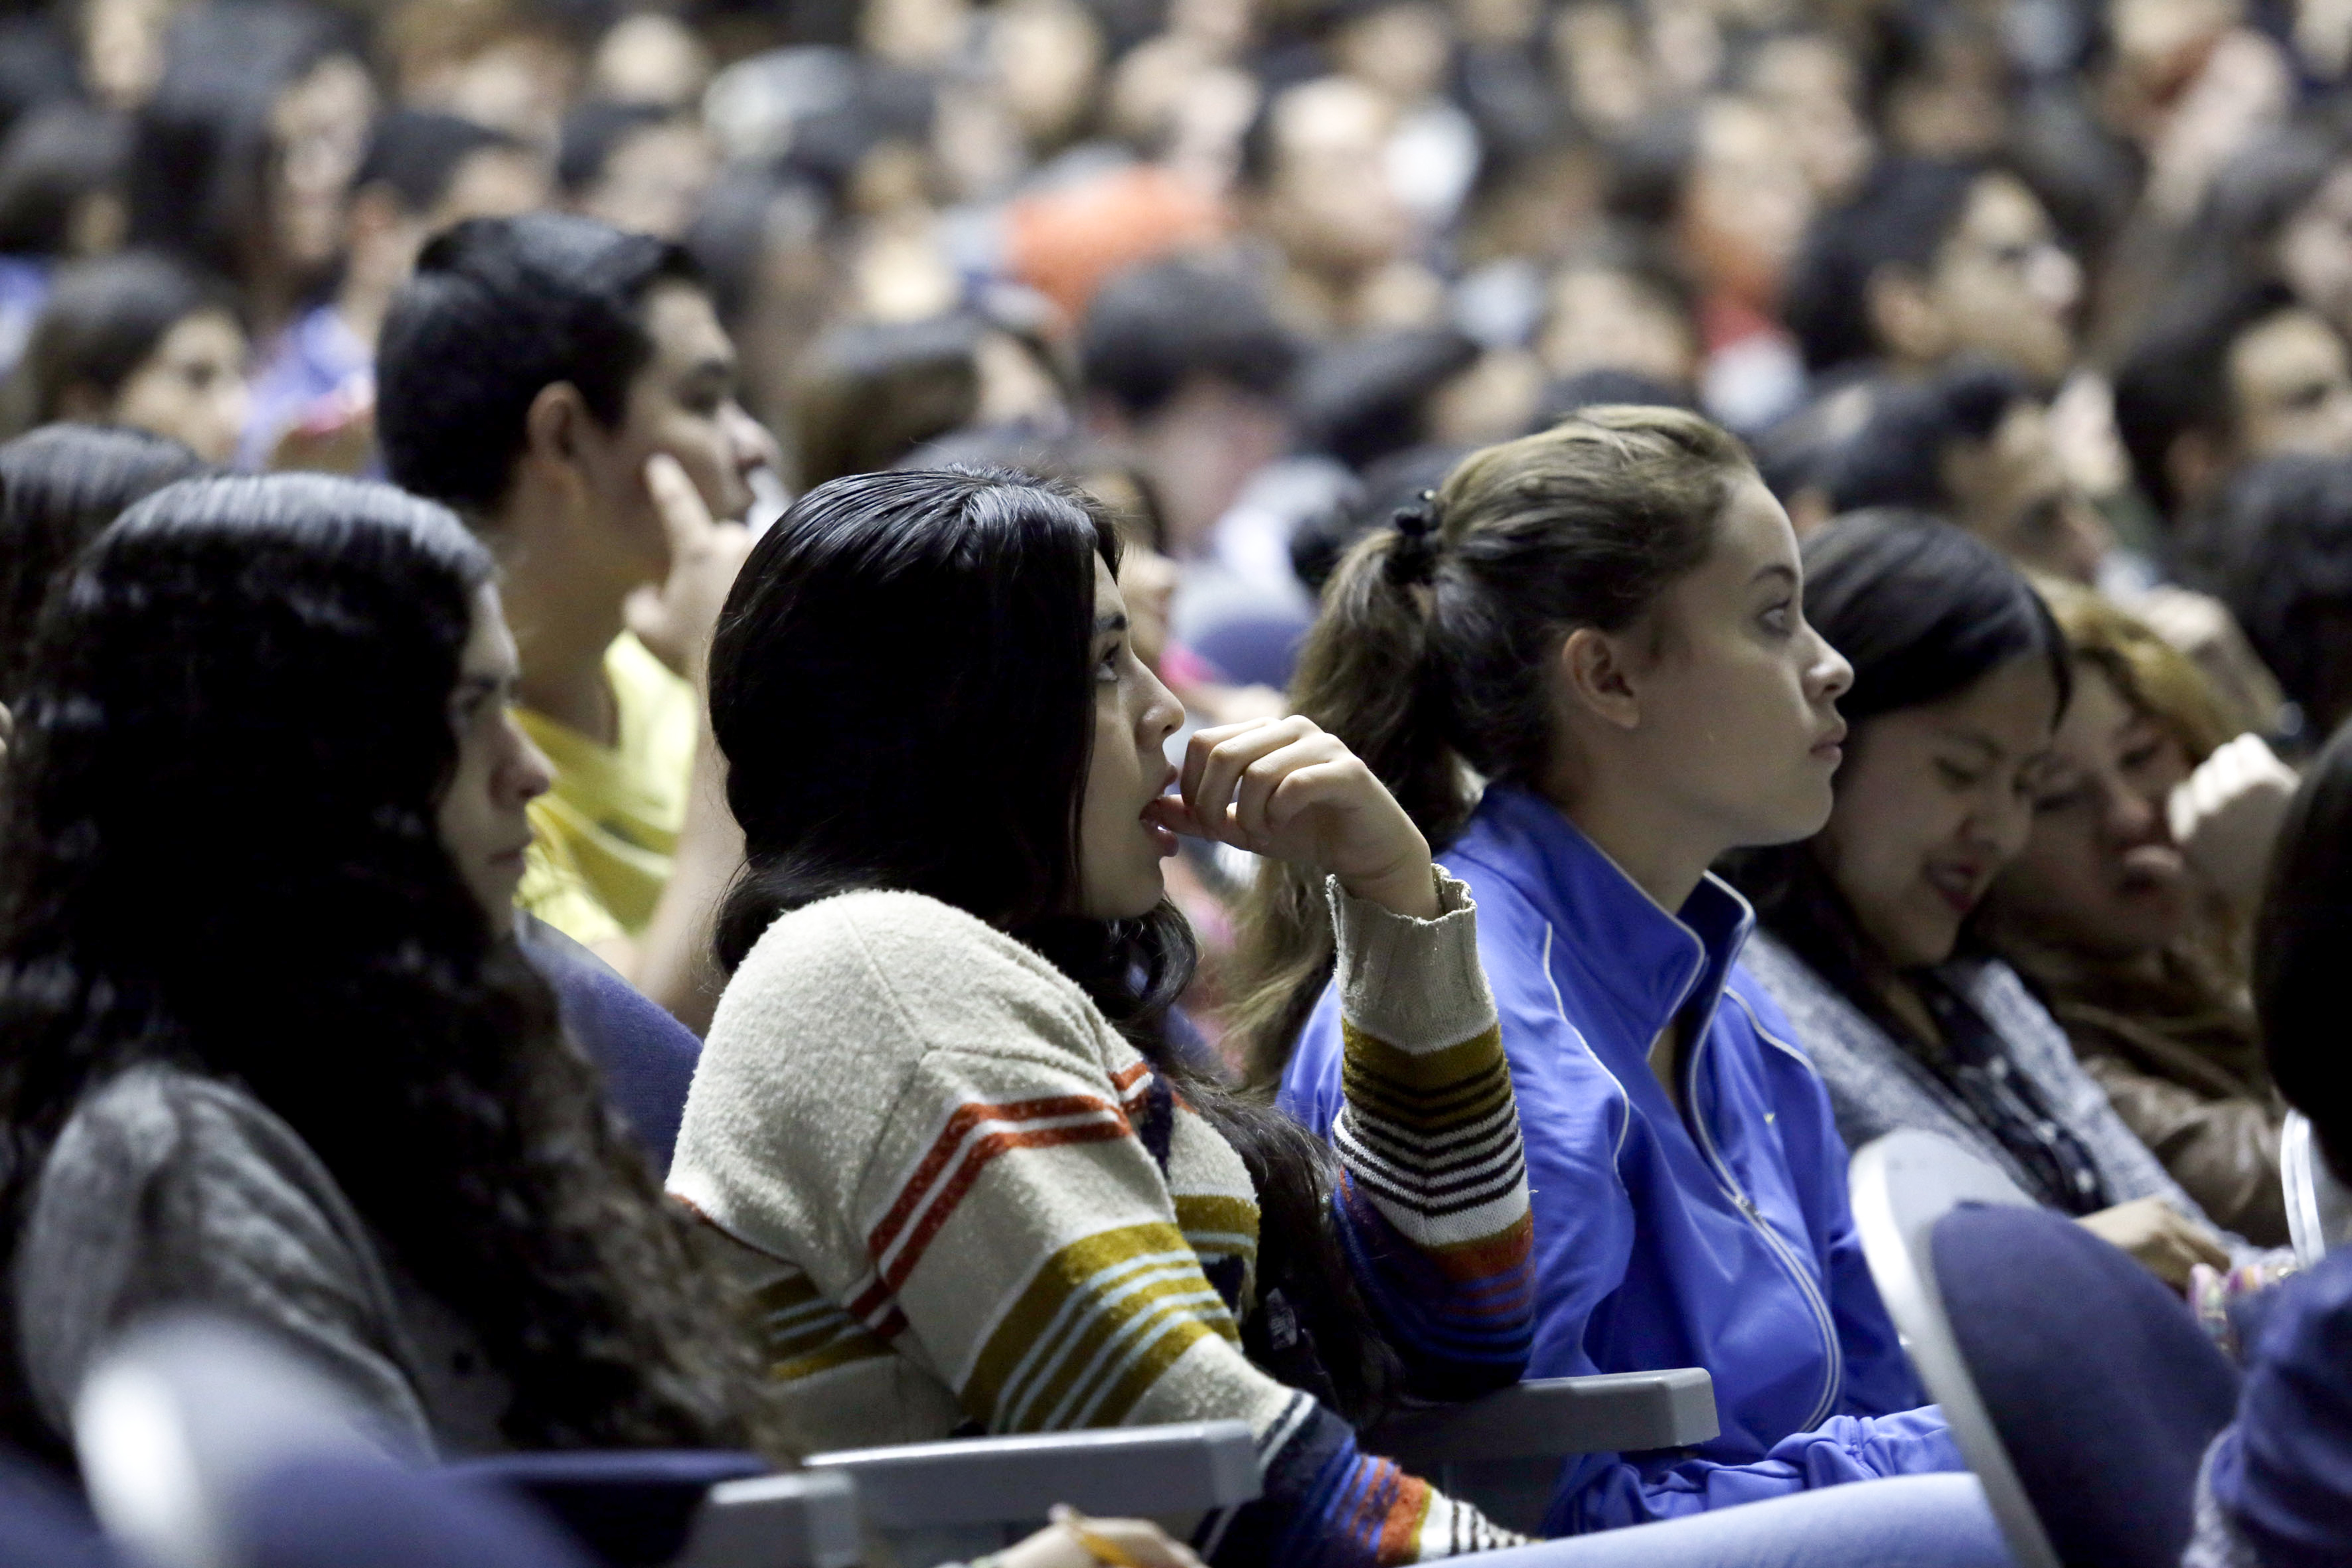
(1835, 1380)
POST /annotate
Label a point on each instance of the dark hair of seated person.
(1361, 401)
(2279, 552)
(203, 144)
(59, 487)
(2175, 379)
(2299, 950)
(99, 323)
(1923, 611)
(53, 163)
(937, 628)
(1896, 459)
(416, 153)
(1901, 216)
(500, 309)
(593, 134)
(1154, 329)
(274, 659)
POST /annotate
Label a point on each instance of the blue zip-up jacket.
(1724, 1241)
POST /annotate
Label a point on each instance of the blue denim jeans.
(1902, 1522)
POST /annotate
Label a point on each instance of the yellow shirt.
(604, 837)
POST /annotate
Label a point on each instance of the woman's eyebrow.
(1113, 622)
(1775, 569)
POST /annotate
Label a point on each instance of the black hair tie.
(1412, 559)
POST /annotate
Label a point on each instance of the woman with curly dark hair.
(270, 1048)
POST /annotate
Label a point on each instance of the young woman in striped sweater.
(938, 1128)
(937, 1116)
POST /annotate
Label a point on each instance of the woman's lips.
(1156, 818)
(1959, 886)
(1832, 746)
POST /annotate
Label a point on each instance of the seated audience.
(59, 487)
(920, 938)
(1375, 396)
(1973, 445)
(334, 1100)
(524, 1285)
(136, 340)
(2126, 914)
(638, 166)
(1183, 363)
(1604, 622)
(1933, 259)
(2280, 551)
(1320, 183)
(2223, 378)
(568, 390)
(2276, 1488)
(1960, 678)
(245, 145)
(315, 388)
(953, 918)
(1616, 307)
(61, 167)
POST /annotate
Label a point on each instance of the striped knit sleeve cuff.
(1414, 985)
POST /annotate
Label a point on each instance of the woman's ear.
(1596, 676)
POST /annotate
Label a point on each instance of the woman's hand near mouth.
(1287, 789)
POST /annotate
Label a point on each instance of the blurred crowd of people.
(2071, 274)
(1871, 477)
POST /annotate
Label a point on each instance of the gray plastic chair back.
(180, 1417)
(1504, 1452)
(2318, 1207)
(953, 1502)
(809, 1520)
(185, 1414)
(1902, 1184)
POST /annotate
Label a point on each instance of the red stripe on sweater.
(951, 1139)
(966, 1171)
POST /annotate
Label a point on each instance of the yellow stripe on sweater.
(1093, 1330)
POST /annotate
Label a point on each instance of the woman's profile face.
(1738, 719)
(1932, 803)
(2100, 874)
(1119, 852)
(498, 771)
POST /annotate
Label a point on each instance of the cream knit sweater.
(962, 1198)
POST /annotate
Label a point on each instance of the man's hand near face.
(673, 620)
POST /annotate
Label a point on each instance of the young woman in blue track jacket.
(1604, 622)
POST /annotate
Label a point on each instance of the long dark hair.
(59, 486)
(1923, 611)
(219, 851)
(933, 629)
(2299, 940)
(1427, 657)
